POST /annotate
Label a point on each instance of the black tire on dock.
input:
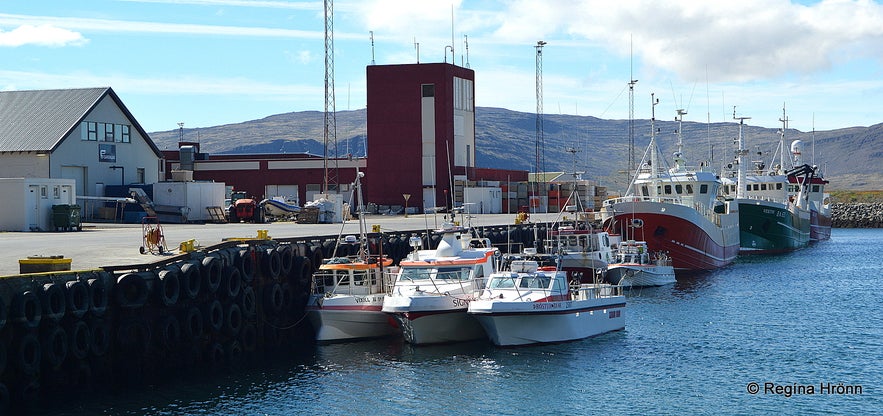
(55, 346)
(3, 314)
(212, 272)
(303, 272)
(100, 331)
(193, 323)
(215, 354)
(271, 264)
(26, 309)
(274, 298)
(233, 352)
(233, 320)
(249, 302)
(231, 285)
(28, 354)
(286, 253)
(132, 290)
(214, 315)
(168, 330)
(98, 296)
(53, 300)
(78, 300)
(316, 257)
(249, 336)
(246, 263)
(80, 340)
(5, 399)
(191, 279)
(4, 357)
(133, 336)
(168, 286)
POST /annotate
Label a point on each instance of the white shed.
(27, 202)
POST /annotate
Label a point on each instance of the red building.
(421, 142)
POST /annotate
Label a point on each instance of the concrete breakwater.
(857, 215)
(122, 325)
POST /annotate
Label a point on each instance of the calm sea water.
(793, 324)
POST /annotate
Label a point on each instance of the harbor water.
(799, 333)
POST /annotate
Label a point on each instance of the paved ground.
(102, 244)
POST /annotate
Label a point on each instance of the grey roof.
(39, 120)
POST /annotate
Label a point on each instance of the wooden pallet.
(217, 215)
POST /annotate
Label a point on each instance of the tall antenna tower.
(539, 139)
(632, 82)
(330, 177)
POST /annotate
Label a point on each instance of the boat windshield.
(438, 273)
(501, 282)
(535, 281)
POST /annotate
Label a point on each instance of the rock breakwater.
(857, 215)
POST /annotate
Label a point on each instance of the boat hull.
(524, 323)
(640, 275)
(336, 320)
(820, 226)
(433, 319)
(767, 227)
(692, 240)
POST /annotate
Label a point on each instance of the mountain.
(849, 157)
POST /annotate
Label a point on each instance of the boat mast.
(784, 121)
(679, 155)
(360, 209)
(654, 156)
(741, 152)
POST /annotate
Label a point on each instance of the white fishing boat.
(526, 305)
(347, 291)
(636, 266)
(433, 287)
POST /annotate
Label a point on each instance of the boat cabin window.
(679, 189)
(535, 281)
(703, 189)
(815, 188)
(445, 273)
(668, 189)
(645, 191)
(690, 189)
(778, 186)
(501, 282)
(763, 187)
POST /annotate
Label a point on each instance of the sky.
(213, 62)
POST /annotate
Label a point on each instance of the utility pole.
(539, 144)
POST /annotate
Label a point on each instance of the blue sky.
(214, 62)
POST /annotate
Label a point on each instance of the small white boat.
(433, 288)
(277, 207)
(347, 292)
(636, 266)
(530, 306)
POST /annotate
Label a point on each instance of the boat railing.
(596, 291)
(342, 282)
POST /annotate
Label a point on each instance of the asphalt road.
(105, 244)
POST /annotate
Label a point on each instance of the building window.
(89, 131)
(108, 132)
(139, 175)
(122, 133)
(428, 90)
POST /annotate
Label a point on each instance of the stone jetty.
(857, 215)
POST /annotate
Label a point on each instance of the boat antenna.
(741, 152)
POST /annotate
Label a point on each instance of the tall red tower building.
(421, 132)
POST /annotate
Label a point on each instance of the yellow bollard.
(263, 234)
(187, 246)
(375, 228)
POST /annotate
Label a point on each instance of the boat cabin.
(526, 277)
(350, 275)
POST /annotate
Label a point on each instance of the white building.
(85, 134)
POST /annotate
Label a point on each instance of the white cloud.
(42, 35)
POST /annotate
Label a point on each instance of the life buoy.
(233, 320)
(212, 272)
(77, 298)
(232, 283)
(53, 300)
(132, 290)
(54, 346)
(191, 279)
(168, 287)
(214, 315)
(28, 354)
(245, 262)
(26, 309)
(274, 298)
(81, 340)
(271, 264)
(100, 331)
(249, 303)
(98, 296)
(193, 323)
